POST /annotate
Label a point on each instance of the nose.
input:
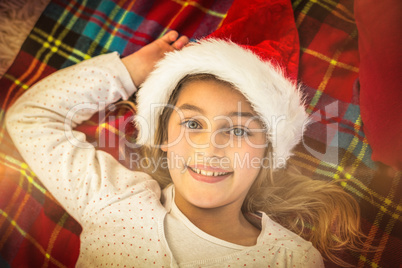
(210, 143)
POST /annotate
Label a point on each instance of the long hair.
(321, 212)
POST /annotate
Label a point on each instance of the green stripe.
(22, 168)
(365, 192)
(216, 14)
(54, 49)
(13, 222)
(110, 40)
(61, 36)
(296, 4)
(58, 43)
(102, 32)
(16, 81)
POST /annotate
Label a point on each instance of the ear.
(164, 146)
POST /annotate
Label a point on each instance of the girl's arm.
(42, 120)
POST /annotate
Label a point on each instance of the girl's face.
(215, 145)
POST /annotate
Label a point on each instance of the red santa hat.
(256, 50)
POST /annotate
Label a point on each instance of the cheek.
(248, 161)
(177, 150)
(253, 147)
(256, 141)
(174, 135)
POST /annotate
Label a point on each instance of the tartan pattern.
(329, 66)
(36, 231)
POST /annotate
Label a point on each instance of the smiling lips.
(208, 174)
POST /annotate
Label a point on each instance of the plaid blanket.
(37, 232)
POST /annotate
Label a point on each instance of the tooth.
(209, 173)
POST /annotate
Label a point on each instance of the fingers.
(171, 39)
(181, 42)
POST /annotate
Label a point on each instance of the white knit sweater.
(120, 211)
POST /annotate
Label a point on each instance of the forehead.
(213, 94)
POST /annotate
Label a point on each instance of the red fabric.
(319, 67)
(188, 16)
(278, 43)
(50, 234)
(379, 25)
(105, 131)
(327, 37)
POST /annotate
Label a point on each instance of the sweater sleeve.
(313, 258)
(41, 124)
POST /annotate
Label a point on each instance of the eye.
(191, 124)
(239, 132)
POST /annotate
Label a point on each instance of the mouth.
(209, 175)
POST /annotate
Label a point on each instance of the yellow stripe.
(296, 3)
(377, 222)
(351, 148)
(66, 30)
(35, 61)
(103, 30)
(350, 188)
(203, 9)
(59, 43)
(13, 222)
(32, 181)
(30, 238)
(12, 201)
(329, 60)
(334, 11)
(391, 223)
(54, 49)
(16, 81)
(184, 5)
(341, 7)
(308, 6)
(21, 205)
(365, 260)
(328, 74)
(110, 128)
(115, 29)
(23, 169)
(53, 238)
(303, 13)
(54, 29)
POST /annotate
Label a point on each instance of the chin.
(206, 201)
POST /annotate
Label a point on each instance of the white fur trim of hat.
(273, 97)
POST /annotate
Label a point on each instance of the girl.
(213, 200)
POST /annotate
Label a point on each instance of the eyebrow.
(241, 114)
(191, 107)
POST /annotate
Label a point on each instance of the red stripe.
(341, 121)
(112, 24)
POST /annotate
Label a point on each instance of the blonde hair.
(319, 211)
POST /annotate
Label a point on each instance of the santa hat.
(261, 65)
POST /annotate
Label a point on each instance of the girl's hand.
(142, 62)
